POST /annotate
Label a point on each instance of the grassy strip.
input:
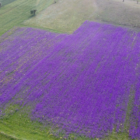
(48, 29)
(18, 125)
(21, 127)
(16, 12)
(129, 109)
(3, 136)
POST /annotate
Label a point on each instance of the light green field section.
(64, 15)
(19, 127)
(5, 2)
(15, 13)
(68, 15)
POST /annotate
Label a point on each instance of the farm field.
(71, 72)
(14, 13)
(68, 15)
(79, 86)
(124, 13)
(64, 16)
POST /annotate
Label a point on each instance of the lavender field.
(85, 83)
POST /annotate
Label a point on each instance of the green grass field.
(5, 2)
(15, 13)
(64, 16)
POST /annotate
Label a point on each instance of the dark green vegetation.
(5, 137)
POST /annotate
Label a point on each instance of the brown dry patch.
(118, 12)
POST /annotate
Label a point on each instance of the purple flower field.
(81, 83)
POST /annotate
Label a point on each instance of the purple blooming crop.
(81, 82)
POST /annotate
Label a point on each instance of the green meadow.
(14, 13)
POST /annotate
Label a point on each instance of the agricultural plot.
(123, 13)
(64, 15)
(68, 15)
(16, 12)
(85, 84)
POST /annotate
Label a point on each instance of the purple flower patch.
(79, 82)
